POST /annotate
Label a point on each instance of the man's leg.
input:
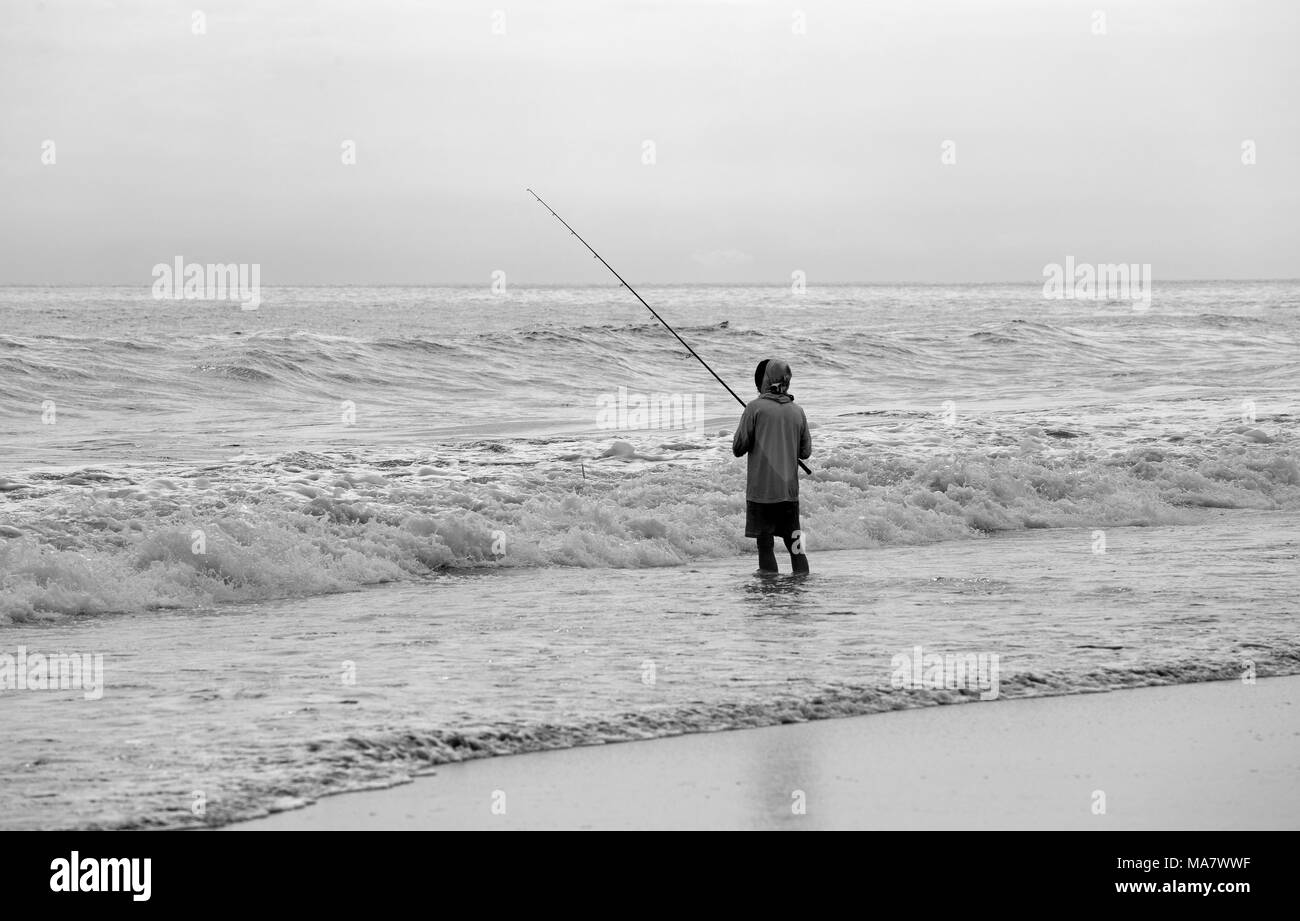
(798, 561)
(766, 553)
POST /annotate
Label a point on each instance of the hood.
(776, 381)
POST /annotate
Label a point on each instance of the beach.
(344, 540)
(1215, 756)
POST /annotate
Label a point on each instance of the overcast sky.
(774, 150)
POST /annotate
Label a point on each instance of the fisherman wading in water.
(773, 431)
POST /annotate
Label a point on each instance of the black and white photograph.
(620, 415)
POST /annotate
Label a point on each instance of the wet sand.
(1220, 755)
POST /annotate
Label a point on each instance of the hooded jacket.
(773, 431)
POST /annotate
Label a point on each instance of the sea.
(249, 558)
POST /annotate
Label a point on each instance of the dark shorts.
(777, 518)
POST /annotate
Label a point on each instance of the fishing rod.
(647, 306)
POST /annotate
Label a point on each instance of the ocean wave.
(303, 524)
(239, 373)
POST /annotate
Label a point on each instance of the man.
(774, 433)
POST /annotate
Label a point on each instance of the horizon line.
(615, 285)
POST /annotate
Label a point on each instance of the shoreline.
(528, 660)
(1216, 755)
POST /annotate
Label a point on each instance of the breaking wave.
(93, 541)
